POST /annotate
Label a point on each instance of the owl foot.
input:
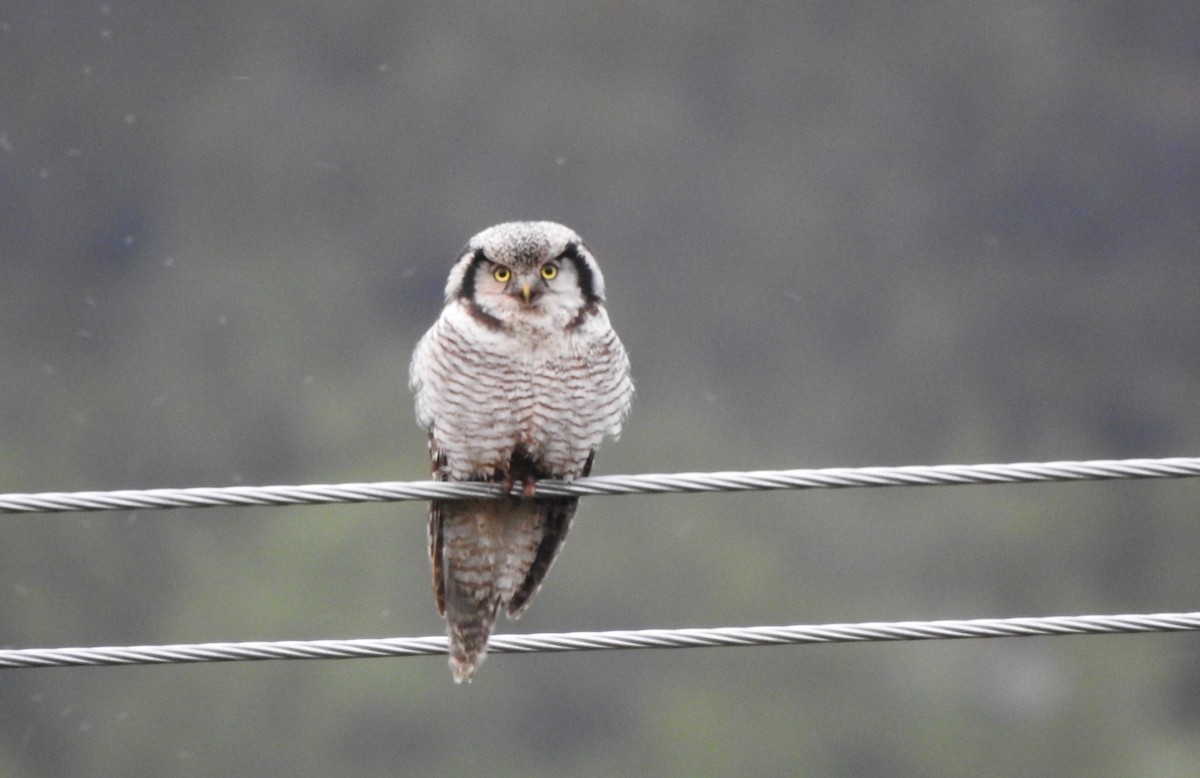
(528, 484)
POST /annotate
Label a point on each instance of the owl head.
(527, 268)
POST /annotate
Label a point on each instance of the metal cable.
(600, 641)
(390, 491)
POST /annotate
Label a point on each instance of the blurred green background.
(834, 234)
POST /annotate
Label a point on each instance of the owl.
(520, 378)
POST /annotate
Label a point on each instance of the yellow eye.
(502, 274)
(549, 272)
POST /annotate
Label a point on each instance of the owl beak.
(527, 292)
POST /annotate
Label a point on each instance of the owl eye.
(502, 274)
(549, 272)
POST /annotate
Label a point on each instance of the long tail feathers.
(468, 634)
(487, 555)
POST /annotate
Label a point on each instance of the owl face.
(524, 271)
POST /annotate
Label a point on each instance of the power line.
(826, 478)
(602, 641)
(391, 491)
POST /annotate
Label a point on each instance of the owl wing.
(435, 531)
(557, 514)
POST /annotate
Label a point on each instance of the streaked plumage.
(519, 379)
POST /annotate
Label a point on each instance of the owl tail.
(469, 597)
(468, 634)
(471, 576)
(486, 556)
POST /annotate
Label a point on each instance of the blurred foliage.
(834, 234)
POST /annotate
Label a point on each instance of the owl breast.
(485, 392)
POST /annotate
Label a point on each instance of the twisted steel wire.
(391, 491)
(601, 641)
